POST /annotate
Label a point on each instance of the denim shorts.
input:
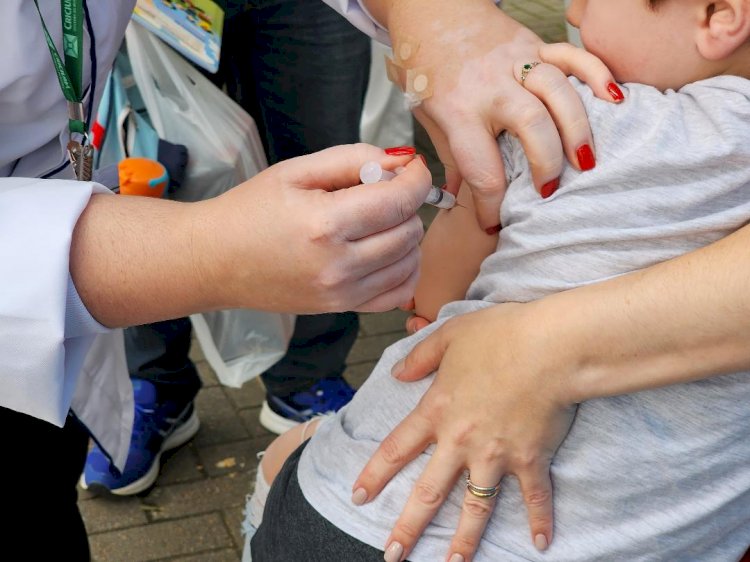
(293, 530)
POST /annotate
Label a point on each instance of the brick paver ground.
(194, 511)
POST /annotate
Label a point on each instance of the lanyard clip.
(75, 111)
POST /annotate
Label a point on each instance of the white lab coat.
(54, 355)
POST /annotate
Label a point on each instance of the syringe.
(372, 172)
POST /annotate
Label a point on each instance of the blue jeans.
(301, 71)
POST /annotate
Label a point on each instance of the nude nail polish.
(393, 553)
(359, 497)
(401, 151)
(586, 158)
(615, 91)
(540, 542)
(550, 187)
(398, 368)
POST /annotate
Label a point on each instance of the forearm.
(129, 261)
(679, 321)
(393, 14)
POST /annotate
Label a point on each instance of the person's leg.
(165, 383)
(158, 353)
(301, 71)
(293, 530)
(272, 459)
(42, 518)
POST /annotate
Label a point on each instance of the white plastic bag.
(186, 108)
(224, 149)
(386, 120)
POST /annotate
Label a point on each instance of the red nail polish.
(493, 230)
(550, 187)
(401, 151)
(423, 159)
(615, 91)
(586, 158)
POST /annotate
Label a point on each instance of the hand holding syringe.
(372, 172)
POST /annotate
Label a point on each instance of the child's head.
(666, 43)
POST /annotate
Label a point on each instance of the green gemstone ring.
(526, 68)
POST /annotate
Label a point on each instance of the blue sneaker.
(156, 428)
(325, 397)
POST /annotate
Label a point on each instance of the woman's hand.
(473, 55)
(496, 407)
(298, 237)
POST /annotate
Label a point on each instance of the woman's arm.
(296, 238)
(513, 373)
(471, 54)
(452, 251)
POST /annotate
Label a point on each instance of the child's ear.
(726, 28)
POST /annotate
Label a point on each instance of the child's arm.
(452, 251)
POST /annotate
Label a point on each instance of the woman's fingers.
(478, 161)
(336, 167)
(562, 101)
(536, 488)
(424, 358)
(363, 210)
(381, 249)
(416, 323)
(396, 295)
(427, 496)
(408, 440)
(442, 147)
(475, 514)
(585, 66)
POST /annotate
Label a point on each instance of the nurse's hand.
(472, 56)
(304, 236)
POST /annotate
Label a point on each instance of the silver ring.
(526, 68)
(485, 492)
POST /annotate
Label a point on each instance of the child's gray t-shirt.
(662, 474)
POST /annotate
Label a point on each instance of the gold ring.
(486, 492)
(526, 68)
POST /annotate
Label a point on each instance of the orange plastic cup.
(142, 176)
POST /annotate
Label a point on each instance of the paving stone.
(161, 540)
(219, 420)
(233, 518)
(107, 513)
(196, 352)
(211, 494)
(383, 322)
(369, 348)
(250, 395)
(207, 374)
(240, 456)
(180, 465)
(250, 419)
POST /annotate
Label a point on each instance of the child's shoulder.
(704, 122)
(721, 97)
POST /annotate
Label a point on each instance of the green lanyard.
(69, 74)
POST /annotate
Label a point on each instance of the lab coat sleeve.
(356, 12)
(359, 17)
(45, 330)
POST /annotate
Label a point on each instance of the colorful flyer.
(192, 27)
